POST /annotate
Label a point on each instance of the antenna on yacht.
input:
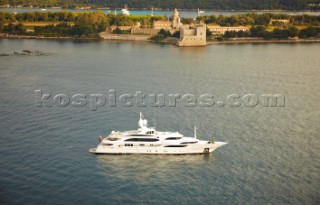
(154, 123)
(195, 132)
(142, 122)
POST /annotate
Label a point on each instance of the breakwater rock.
(25, 53)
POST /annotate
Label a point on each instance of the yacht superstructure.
(147, 140)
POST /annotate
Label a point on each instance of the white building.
(224, 29)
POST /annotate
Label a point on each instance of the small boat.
(200, 12)
(147, 140)
(14, 11)
(43, 9)
(125, 11)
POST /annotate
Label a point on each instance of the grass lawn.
(31, 24)
(44, 23)
(301, 27)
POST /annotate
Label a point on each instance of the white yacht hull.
(190, 149)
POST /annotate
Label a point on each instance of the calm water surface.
(272, 156)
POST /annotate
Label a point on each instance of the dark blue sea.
(273, 152)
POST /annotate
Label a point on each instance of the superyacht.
(147, 140)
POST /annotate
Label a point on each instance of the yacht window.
(142, 140)
(150, 132)
(176, 145)
(113, 139)
(128, 145)
(189, 142)
(173, 138)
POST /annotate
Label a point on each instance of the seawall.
(124, 37)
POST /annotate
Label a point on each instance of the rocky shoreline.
(25, 53)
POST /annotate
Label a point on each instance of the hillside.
(182, 4)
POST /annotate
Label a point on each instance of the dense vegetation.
(162, 34)
(261, 31)
(259, 19)
(121, 20)
(18, 29)
(184, 4)
(85, 24)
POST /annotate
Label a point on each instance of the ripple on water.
(272, 155)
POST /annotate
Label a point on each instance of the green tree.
(208, 33)
(309, 32)
(293, 31)
(280, 34)
(230, 34)
(263, 19)
(176, 34)
(1, 26)
(165, 33)
(187, 20)
(18, 29)
(258, 31)
(242, 34)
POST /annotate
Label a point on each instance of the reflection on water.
(142, 168)
(195, 50)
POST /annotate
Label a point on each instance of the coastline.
(124, 37)
(144, 38)
(12, 36)
(261, 40)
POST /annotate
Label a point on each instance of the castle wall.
(193, 36)
(162, 25)
(147, 31)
